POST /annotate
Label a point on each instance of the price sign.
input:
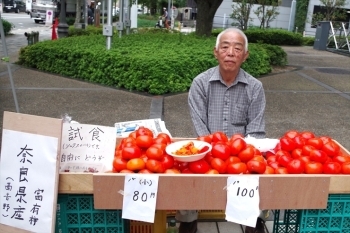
(243, 198)
(140, 196)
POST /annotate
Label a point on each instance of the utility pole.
(62, 27)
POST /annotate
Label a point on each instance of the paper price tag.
(140, 196)
(243, 198)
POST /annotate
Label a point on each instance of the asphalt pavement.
(313, 95)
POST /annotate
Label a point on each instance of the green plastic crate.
(286, 221)
(334, 219)
(76, 214)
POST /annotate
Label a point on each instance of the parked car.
(14, 6)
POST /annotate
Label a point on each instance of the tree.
(205, 16)
(266, 12)
(331, 10)
(78, 12)
(241, 12)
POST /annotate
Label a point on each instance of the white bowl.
(174, 146)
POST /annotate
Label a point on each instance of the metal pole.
(109, 23)
(62, 27)
(6, 59)
(292, 16)
(103, 12)
(86, 13)
(121, 17)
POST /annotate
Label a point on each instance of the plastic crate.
(76, 214)
(286, 221)
(141, 227)
(334, 219)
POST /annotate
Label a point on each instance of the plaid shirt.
(238, 108)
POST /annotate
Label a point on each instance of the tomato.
(180, 165)
(307, 134)
(160, 140)
(313, 167)
(132, 134)
(256, 166)
(219, 165)
(172, 171)
(331, 148)
(259, 158)
(272, 158)
(282, 152)
(281, 170)
(296, 166)
(287, 144)
(315, 142)
(219, 137)
(212, 171)
(332, 168)
(345, 168)
(236, 168)
(307, 149)
(232, 159)
(154, 166)
(144, 157)
(186, 171)
(119, 164)
(160, 146)
(154, 153)
(144, 131)
(341, 159)
(221, 150)
(274, 165)
(296, 153)
(166, 136)
(145, 171)
(318, 156)
(306, 159)
(325, 139)
(167, 161)
(135, 164)
(208, 157)
(144, 141)
(205, 138)
(291, 134)
(299, 141)
(246, 154)
(257, 152)
(126, 171)
(284, 160)
(237, 145)
(131, 152)
(269, 170)
(201, 166)
(235, 136)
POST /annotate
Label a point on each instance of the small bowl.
(173, 147)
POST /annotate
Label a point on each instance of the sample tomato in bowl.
(188, 150)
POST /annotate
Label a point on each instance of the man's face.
(230, 52)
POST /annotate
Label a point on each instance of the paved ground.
(315, 96)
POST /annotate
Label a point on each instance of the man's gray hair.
(232, 30)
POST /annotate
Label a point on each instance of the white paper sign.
(87, 148)
(243, 198)
(140, 196)
(49, 17)
(27, 180)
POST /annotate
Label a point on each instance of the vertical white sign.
(27, 180)
(87, 148)
(49, 17)
(29, 5)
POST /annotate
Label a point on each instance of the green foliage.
(89, 30)
(301, 14)
(7, 26)
(277, 56)
(308, 41)
(274, 37)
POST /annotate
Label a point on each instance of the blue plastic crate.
(286, 221)
(334, 219)
(76, 214)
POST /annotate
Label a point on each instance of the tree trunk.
(205, 16)
(78, 10)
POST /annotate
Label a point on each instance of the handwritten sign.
(140, 196)
(243, 198)
(87, 148)
(27, 180)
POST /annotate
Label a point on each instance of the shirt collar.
(240, 77)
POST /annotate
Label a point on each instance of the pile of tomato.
(296, 153)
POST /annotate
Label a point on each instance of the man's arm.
(256, 113)
(197, 101)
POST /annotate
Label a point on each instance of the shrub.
(274, 37)
(277, 56)
(308, 41)
(7, 26)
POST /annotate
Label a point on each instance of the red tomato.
(256, 166)
(145, 171)
(282, 152)
(259, 158)
(208, 157)
(232, 159)
(291, 134)
(212, 171)
(281, 170)
(160, 146)
(166, 136)
(235, 136)
(274, 165)
(306, 159)
(186, 171)
(313, 167)
(119, 164)
(144, 141)
(154, 166)
(269, 170)
(167, 161)
(296, 166)
(272, 158)
(341, 159)
(200, 166)
(154, 153)
(307, 134)
(205, 138)
(180, 165)
(160, 140)
(325, 139)
(143, 131)
(135, 164)
(132, 134)
(287, 144)
(296, 153)
(221, 150)
(246, 154)
(172, 171)
(126, 171)
(219, 137)
(345, 168)
(219, 165)
(318, 156)
(236, 168)
(131, 152)
(284, 160)
(307, 149)
(332, 168)
(331, 148)
(237, 145)
(299, 141)
(315, 142)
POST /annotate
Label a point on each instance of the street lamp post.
(62, 27)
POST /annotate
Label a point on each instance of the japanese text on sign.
(87, 148)
(243, 199)
(27, 159)
(140, 196)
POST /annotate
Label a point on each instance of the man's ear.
(246, 55)
(215, 53)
